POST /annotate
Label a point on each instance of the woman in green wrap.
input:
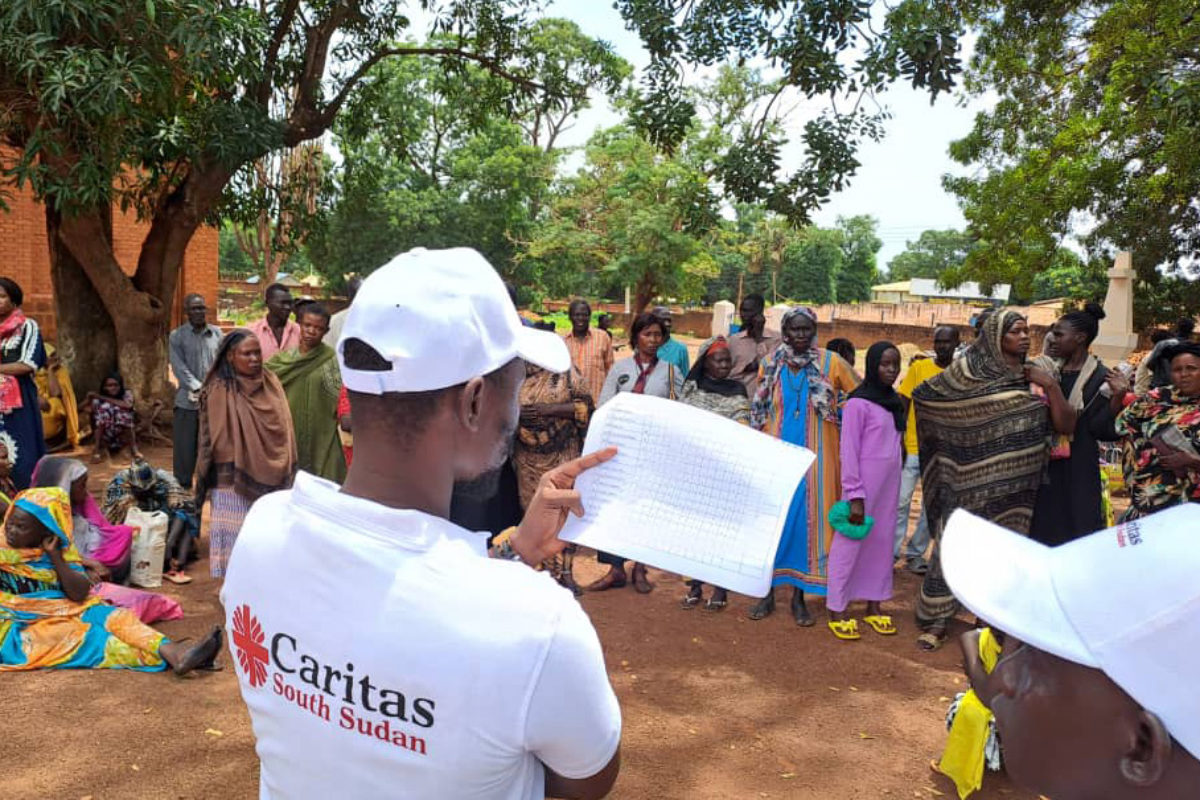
(312, 382)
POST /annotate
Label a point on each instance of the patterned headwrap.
(51, 506)
(821, 396)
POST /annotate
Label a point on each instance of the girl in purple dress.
(872, 450)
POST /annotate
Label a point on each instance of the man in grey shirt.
(193, 348)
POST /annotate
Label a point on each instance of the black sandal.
(694, 596)
(714, 604)
(800, 612)
(202, 656)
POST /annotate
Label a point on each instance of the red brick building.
(25, 257)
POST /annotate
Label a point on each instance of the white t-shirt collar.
(404, 527)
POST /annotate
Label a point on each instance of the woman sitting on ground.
(8, 488)
(60, 413)
(113, 420)
(708, 386)
(1161, 431)
(50, 620)
(96, 539)
(153, 490)
(640, 373)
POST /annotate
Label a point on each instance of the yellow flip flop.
(846, 629)
(881, 624)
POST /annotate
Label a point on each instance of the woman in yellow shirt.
(60, 412)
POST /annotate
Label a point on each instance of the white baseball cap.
(1125, 601)
(440, 317)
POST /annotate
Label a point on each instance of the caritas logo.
(365, 707)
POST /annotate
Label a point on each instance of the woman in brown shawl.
(983, 437)
(247, 447)
(555, 410)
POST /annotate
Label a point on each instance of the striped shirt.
(592, 356)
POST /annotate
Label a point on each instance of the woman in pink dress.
(872, 450)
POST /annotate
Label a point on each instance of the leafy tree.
(1070, 277)
(1095, 131)
(932, 254)
(819, 48)
(811, 266)
(631, 216)
(160, 105)
(860, 244)
(425, 164)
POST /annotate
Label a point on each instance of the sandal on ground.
(608, 581)
(763, 608)
(690, 601)
(845, 629)
(931, 641)
(881, 624)
(177, 576)
(717, 602)
(640, 582)
(203, 655)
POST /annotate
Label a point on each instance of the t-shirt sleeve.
(911, 379)
(573, 724)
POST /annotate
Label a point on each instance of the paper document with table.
(689, 492)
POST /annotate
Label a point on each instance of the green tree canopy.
(931, 255)
(860, 245)
(1094, 133)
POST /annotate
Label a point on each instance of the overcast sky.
(899, 182)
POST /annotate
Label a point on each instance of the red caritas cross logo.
(248, 638)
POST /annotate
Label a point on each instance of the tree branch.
(297, 131)
(286, 16)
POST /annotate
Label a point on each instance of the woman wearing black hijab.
(872, 450)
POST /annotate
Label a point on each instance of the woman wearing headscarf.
(708, 386)
(312, 382)
(642, 373)
(872, 450)
(555, 410)
(247, 448)
(796, 401)
(56, 394)
(1070, 502)
(94, 536)
(1161, 431)
(21, 356)
(983, 436)
(48, 618)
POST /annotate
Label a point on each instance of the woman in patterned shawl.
(797, 401)
(983, 438)
(708, 386)
(555, 410)
(48, 619)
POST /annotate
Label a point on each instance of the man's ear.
(1149, 754)
(470, 404)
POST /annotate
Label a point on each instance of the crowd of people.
(983, 427)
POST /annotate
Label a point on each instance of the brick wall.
(864, 334)
(25, 257)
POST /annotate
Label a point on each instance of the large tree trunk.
(116, 325)
(86, 338)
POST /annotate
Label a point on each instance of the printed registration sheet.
(689, 492)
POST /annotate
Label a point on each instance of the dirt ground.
(714, 705)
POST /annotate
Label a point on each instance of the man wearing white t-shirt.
(380, 651)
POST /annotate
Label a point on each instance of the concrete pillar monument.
(1117, 337)
(722, 317)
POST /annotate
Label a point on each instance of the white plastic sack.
(149, 547)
